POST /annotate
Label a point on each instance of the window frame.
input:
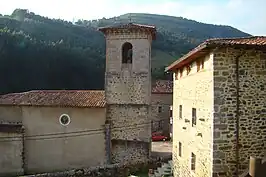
(61, 119)
(193, 162)
(180, 149)
(194, 117)
(180, 111)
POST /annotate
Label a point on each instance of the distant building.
(161, 101)
(219, 107)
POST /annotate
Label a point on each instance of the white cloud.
(246, 15)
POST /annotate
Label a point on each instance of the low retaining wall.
(114, 170)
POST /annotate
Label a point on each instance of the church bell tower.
(128, 91)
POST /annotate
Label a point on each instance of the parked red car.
(158, 137)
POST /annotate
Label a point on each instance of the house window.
(64, 119)
(180, 111)
(159, 109)
(193, 161)
(160, 126)
(127, 52)
(194, 116)
(180, 149)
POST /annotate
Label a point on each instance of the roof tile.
(252, 41)
(134, 26)
(70, 98)
(64, 98)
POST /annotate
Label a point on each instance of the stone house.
(219, 107)
(56, 130)
(161, 101)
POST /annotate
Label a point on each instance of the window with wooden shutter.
(194, 116)
(180, 111)
(193, 161)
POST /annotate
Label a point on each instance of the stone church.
(57, 130)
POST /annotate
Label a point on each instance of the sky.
(246, 15)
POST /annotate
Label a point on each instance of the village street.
(162, 149)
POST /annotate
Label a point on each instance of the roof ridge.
(258, 42)
(72, 98)
(233, 38)
(27, 93)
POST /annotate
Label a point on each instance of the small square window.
(180, 111)
(194, 117)
(160, 124)
(159, 109)
(193, 161)
(180, 149)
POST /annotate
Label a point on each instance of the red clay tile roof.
(149, 28)
(63, 98)
(69, 98)
(204, 48)
(162, 86)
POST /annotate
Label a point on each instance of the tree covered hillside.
(41, 53)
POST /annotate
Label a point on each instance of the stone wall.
(128, 96)
(129, 122)
(252, 106)
(127, 88)
(161, 120)
(11, 148)
(114, 170)
(193, 90)
(130, 151)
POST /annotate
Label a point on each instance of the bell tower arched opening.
(127, 53)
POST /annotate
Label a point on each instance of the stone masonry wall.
(128, 96)
(130, 152)
(114, 170)
(129, 122)
(126, 87)
(164, 101)
(252, 131)
(194, 90)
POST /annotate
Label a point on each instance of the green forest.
(41, 53)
